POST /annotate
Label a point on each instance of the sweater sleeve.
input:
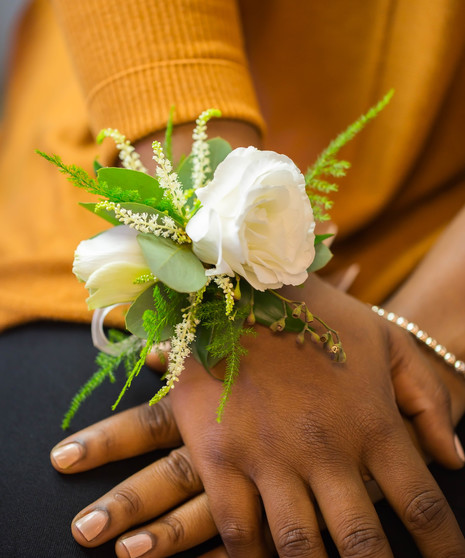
(136, 59)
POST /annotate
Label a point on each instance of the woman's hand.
(299, 428)
(170, 483)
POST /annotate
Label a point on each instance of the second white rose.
(256, 220)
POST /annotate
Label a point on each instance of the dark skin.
(173, 479)
(316, 431)
(327, 430)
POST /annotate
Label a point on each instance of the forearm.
(237, 133)
(434, 298)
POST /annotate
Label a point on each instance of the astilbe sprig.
(225, 284)
(147, 223)
(129, 157)
(154, 322)
(181, 342)
(169, 180)
(200, 149)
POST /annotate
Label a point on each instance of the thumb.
(425, 400)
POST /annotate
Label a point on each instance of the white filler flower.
(255, 220)
(110, 264)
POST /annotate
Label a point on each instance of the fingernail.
(138, 544)
(459, 448)
(92, 524)
(67, 455)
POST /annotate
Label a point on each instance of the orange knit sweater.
(298, 71)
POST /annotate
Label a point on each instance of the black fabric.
(42, 365)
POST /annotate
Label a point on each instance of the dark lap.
(42, 366)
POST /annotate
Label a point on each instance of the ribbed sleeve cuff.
(138, 101)
(136, 59)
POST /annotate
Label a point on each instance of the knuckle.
(316, 431)
(442, 397)
(156, 421)
(106, 438)
(128, 498)
(427, 510)
(379, 435)
(181, 472)
(236, 534)
(361, 539)
(379, 426)
(293, 540)
(174, 527)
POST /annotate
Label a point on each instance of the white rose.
(255, 220)
(109, 263)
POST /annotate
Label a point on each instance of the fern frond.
(326, 162)
(81, 179)
(168, 143)
(328, 165)
(107, 366)
(226, 341)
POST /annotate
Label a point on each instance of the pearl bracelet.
(448, 357)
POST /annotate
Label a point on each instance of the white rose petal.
(109, 263)
(256, 220)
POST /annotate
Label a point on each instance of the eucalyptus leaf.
(320, 237)
(104, 213)
(219, 150)
(134, 316)
(173, 264)
(97, 166)
(127, 179)
(322, 256)
(200, 352)
(268, 309)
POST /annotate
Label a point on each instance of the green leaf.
(128, 179)
(219, 150)
(320, 237)
(203, 338)
(107, 215)
(173, 264)
(268, 309)
(168, 144)
(322, 256)
(97, 166)
(134, 316)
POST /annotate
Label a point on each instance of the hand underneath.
(170, 489)
(299, 428)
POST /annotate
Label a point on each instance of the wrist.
(237, 133)
(451, 378)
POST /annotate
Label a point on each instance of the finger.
(422, 397)
(418, 501)
(132, 432)
(292, 518)
(238, 516)
(186, 527)
(149, 493)
(349, 513)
